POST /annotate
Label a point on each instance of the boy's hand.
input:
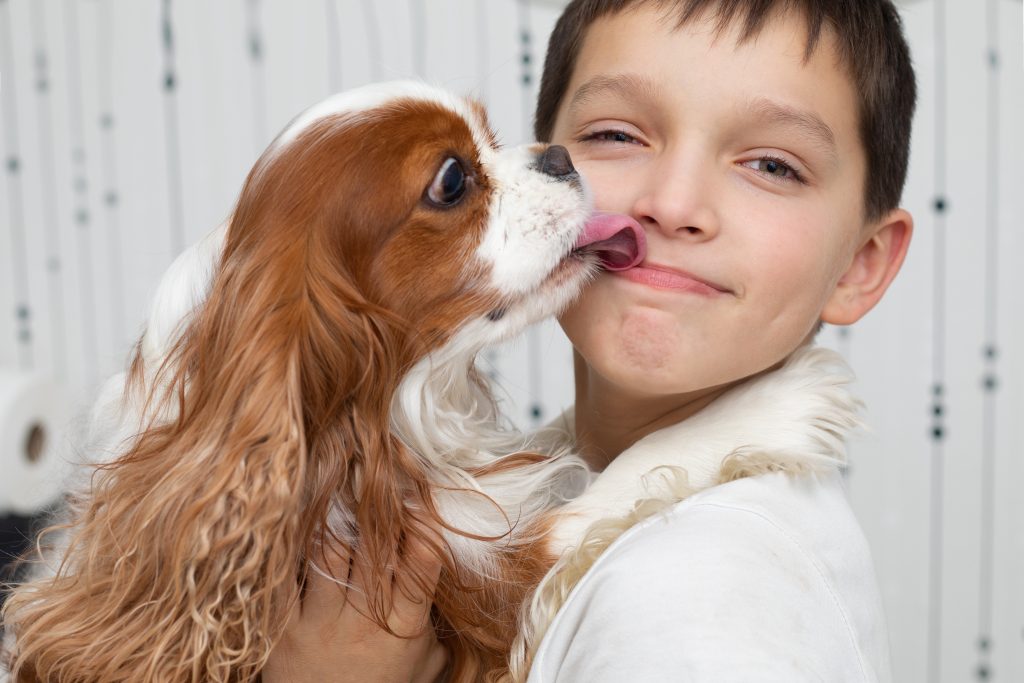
(328, 638)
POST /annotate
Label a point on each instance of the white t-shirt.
(762, 579)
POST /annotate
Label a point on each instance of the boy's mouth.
(616, 239)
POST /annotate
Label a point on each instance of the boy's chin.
(648, 351)
(650, 368)
(646, 367)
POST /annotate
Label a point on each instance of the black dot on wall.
(526, 79)
(255, 49)
(990, 383)
(993, 59)
(937, 390)
(938, 433)
(13, 165)
(22, 312)
(940, 205)
(536, 411)
(937, 411)
(526, 59)
(169, 82)
(991, 352)
(111, 198)
(983, 672)
(983, 644)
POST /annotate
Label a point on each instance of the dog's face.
(403, 189)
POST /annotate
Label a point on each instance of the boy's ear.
(873, 267)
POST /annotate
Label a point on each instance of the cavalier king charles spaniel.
(307, 372)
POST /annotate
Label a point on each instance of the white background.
(945, 517)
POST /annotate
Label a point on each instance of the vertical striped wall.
(128, 127)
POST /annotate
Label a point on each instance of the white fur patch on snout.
(535, 220)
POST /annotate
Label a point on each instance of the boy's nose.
(678, 201)
(556, 162)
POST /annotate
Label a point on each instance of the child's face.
(744, 166)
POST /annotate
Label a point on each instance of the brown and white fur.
(307, 371)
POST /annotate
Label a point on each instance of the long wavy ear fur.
(183, 557)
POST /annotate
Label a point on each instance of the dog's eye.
(449, 184)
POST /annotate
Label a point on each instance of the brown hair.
(869, 41)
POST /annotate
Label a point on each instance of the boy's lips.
(665, 277)
(617, 239)
(621, 244)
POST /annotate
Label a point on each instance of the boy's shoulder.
(806, 517)
(766, 573)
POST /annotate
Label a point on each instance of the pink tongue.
(617, 239)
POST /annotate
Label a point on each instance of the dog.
(307, 373)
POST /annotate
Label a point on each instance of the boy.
(763, 147)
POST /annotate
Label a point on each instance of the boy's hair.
(869, 39)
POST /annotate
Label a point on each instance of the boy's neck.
(609, 419)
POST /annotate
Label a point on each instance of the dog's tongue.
(617, 239)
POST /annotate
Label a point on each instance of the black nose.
(555, 161)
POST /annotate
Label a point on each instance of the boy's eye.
(774, 168)
(617, 136)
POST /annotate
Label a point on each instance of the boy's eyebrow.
(808, 123)
(626, 86)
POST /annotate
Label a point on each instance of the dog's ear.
(359, 354)
(183, 563)
(269, 409)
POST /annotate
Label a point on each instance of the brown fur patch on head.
(361, 181)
